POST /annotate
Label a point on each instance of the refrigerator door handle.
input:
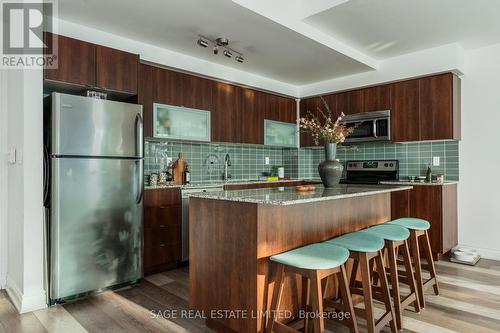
(46, 174)
(140, 191)
(138, 135)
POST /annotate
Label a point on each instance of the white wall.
(25, 200)
(479, 196)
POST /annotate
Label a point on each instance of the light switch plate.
(267, 160)
(12, 156)
(435, 161)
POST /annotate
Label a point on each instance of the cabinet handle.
(162, 245)
(162, 226)
(162, 207)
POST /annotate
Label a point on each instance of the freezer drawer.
(95, 229)
(83, 126)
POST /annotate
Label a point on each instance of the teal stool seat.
(359, 242)
(315, 256)
(411, 223)
(391, 232)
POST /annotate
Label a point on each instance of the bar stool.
(396, 238)
(419, 229)
(365, 248)
(313, 262)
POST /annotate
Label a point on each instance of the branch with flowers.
(325, 130)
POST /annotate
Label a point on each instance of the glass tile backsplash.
(206, 160)
(414, 158)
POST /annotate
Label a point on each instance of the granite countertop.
(289, 196)
(223, 183)
(415, 183)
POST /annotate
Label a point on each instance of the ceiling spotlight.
(239, 59)
(222, 41)
(202, 42)
(228, 53)
(216, 50)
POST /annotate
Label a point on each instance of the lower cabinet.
(436, 204)
(162, 229)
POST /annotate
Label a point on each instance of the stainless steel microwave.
(369, 126)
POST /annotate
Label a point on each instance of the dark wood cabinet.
(280, 108)
(76, 61)
(145, 97)
(436, 204)
(377, 98)
(226, 115)
(116, 70)
(251, 114)
(94, 66)
(308, 107)
(197, 92)
(162, 229)
(350, 102)
(405, 111)
(440, 107)
(167, 87)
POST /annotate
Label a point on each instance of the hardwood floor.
(469, 302)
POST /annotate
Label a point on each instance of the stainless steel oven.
(369, 126)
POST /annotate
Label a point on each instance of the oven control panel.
(373, 165)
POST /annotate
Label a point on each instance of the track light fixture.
(218, 44)
(202, 42)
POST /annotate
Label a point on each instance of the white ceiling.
(298, 42)
(270, 49)
(387, 28)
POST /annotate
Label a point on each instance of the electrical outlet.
(435, 161)
(267, 160)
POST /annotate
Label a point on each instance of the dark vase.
(330, 170)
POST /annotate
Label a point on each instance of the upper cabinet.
(145, 97)
(405, 111)
(180, 89)
(421, 109)
(116, 70)
(281, 108)
(440, 107)
(350, 102)
(377, 98)
(426, 109)
(226, 114)
(251, 114)
(76, 61)
(94, 66)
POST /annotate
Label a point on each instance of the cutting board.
(179, 168)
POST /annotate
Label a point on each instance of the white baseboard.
(25, 303)
(485, 253)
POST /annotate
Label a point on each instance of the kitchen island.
(233, 234)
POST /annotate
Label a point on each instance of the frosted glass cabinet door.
(277, 133)
(174, 122)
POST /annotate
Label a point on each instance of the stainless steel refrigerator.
(93, 194)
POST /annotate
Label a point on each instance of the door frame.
(3, 178)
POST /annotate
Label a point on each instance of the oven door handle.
(375, 129)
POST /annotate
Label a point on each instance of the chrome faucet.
(227, 164)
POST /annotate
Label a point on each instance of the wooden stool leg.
(354, 272)
(347, 299)
(418, 266)
(317, 302)
(385, 290)
(393, 268)
(409, 274)
(367, 291)
(276, 300)
(430, 262)
(306, 299)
